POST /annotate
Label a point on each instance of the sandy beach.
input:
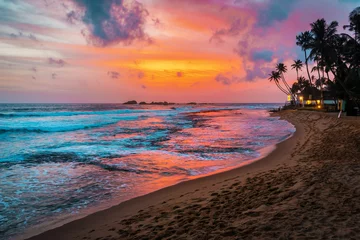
(307, 188)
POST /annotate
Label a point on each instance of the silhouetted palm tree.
(323, 42)
(303, 40)
(354, 19)
(297, 65)
(281, 68)
(317, 69)
(275, 76)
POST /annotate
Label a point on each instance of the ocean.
(59, 162)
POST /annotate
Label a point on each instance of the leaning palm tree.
(275, 76)
(304, 41)
(297, 65)
(281, 68)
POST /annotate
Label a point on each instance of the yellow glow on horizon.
(181, 65)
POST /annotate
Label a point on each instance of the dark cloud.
(156, 22)
(179, 74)
(72, 17)
(262, 55)
(33, 77)
(143, 87)
(13, 35)
(58, 62)
(233, 30)
(53, 76)
(32, 37)
(34, 69)
(114, 75)
(275, 11)
(140, 75)
(112, 22)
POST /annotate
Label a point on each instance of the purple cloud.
(235, 28)
(113, 75)
(111, 22)
(179, 74)
(72, 17)
(257, 72)
(222, 78)
(58, 62)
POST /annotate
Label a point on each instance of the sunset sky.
(152, 50)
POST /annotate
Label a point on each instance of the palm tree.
(354, 19)
(303, 83)
(297, 65)
(303, 40)
(317, 69)
(295, 88)
(318, 82)
(281, 68)
(276, 76)
(322, 45)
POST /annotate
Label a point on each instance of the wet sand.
(307, 188)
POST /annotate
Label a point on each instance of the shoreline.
(132, 205)
(308, 187)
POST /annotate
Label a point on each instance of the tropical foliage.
(334, 57)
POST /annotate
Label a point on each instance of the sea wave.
(61, 126)
(68, 113)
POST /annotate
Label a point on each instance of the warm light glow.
(301, 98)
(318, 101)
(319, 106)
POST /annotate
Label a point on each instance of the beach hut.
(313, 97)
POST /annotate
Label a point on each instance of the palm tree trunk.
(288, 87)
(281, 89)
(327, 74)
(307, 67)
(321, 90)
(285, 83)
(297, 74)
(318, 70)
